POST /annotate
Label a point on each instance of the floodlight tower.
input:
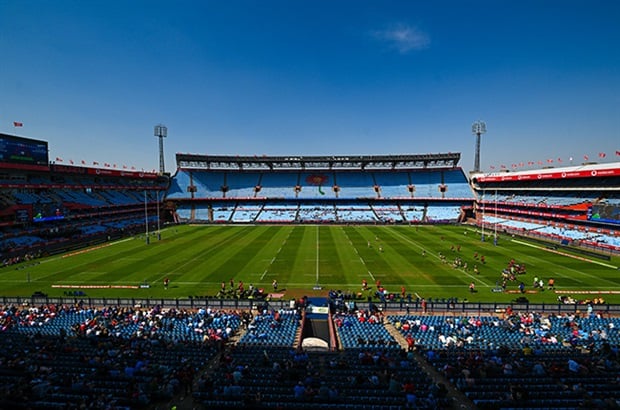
(161, 131)
(478, 128)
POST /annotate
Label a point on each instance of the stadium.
(340, 282)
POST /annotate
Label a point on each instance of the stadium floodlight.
(161, 132)
(478, 128)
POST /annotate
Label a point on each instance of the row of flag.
(105, 164)
(18, 124)
(96, 163)
(559, 160)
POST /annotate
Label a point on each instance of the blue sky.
(313, 78)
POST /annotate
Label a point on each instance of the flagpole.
(482, 222)
(495, 224)
(146, 219)
(158, 225)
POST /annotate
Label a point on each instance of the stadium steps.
(339, 340)
(297, 341)
(398, 336)
(461, 400)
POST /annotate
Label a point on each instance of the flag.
(95, 163)
(71, 161)
(492, 167)
(124, 166)
(18, 124)
(83, 162)
(571, 159)
(133, 168)
(618, 153)
(550, 161)
(586, 157)
(530, 162)
(540, 162)
(602, 155)
(58, 159)
(503, 166)
(559, 159)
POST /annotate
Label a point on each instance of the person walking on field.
(472, 287)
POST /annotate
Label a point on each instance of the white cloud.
(403, 38)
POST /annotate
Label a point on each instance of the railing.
(192, 303)
(414, 306)
(448, 307)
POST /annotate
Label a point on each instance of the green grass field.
(197, 259)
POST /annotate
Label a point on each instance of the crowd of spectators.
(514, 329)
(530, 377)
(292, 378)
(77, 356)
(104, 358)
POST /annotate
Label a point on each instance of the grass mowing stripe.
(277, 254)
(571, 269)
(288, 253)
(436, 255)
(367, 249)
(238, 261)
(304, 251)
(214, 243)
(91, 261)
(361, 259)
(317, 255)
(336, 255)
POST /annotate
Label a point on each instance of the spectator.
(299, 391)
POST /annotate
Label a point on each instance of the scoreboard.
(23, 151)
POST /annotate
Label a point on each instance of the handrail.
(447, 306)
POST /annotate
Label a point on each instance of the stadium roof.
(610, 169)
(600, 177)
(318, 162)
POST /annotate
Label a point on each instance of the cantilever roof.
(587, 167)
(359, 162)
